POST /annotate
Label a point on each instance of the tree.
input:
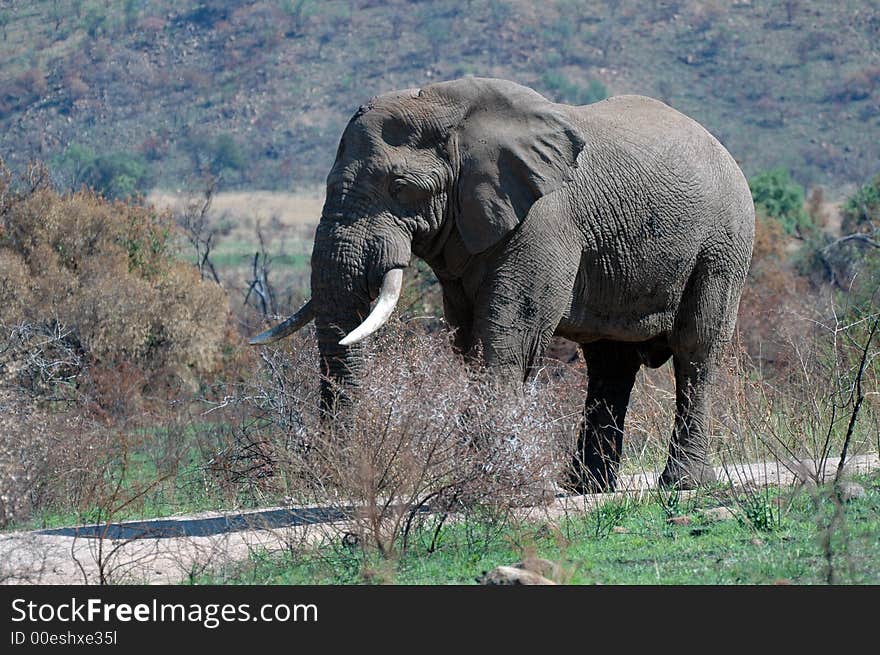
(861, 211)
(76, 164)
(115, 175)
(782, 199)
(119, 175)
(226, 155)
(852, 261)
(559, 88)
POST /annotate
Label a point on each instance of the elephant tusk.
(296, 322)
(389, 294)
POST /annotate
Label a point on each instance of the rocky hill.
(141, 93)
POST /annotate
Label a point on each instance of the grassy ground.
(153, 484)
(621, 543)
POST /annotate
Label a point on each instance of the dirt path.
(172, 550)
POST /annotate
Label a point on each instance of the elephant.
(621, 225)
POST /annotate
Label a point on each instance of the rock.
(718, 514)
(619, 529)
(757, 542)
(511, 575)
(542, 567)
(351, 541)
(679, 520)
(850, 490)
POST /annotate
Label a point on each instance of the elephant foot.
(686, 474)
(583, 481)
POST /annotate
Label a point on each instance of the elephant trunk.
(342, 369)
(341, 301)
(353, 263)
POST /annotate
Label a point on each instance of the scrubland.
(127, 391)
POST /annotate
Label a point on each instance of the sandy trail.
(154, 552)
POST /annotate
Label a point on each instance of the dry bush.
(47, 461)
(40, 361)
(100, 325)
(76, 87)
(426, 440)
(58, 450)
(856, 85)
(108, 272)
(817, 208)
(773, 288)
(20, 91)
(815, 407)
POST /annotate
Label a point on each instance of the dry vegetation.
(101, 327)
(126, 390)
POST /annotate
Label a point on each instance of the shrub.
(861, 211)
(226, 154)
(21, 91)
(115, 175)
(782, 199)
(119, 175)
(108, 271)
(425, 433)
(852, 261)
(855, 86)
(74, 165)
(562, 90)
(773, 285)
(76, 87)
(47, 460)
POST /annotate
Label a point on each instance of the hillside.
(260, 91)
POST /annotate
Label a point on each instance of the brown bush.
(76, 87)
(857, 85)
(108, 272)
(48, 459)
(772, 289)
(426, 433)
(22, 90)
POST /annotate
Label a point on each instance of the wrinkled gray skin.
(622, 225)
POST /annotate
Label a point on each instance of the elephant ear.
(513, 146)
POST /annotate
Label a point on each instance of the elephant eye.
(398, 184)
(407, 191)
(412, 188)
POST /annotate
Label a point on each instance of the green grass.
(244, 257)
(150, 489)
(650, 551)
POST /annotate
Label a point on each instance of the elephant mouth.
(389, 294)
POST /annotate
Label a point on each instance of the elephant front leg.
(688, 466)
(611, 370)
(459, 314)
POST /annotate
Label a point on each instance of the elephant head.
(464, 159)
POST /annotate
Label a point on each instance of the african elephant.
(623, 226)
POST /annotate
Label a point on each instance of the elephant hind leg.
(611, 369)
(702, 330)
(687, 465)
